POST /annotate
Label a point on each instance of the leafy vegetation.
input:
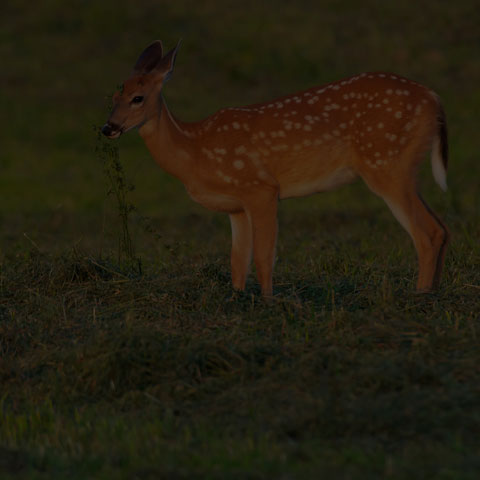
(153, 368)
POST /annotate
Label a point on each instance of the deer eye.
(137, 100)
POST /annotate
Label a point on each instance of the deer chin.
(114, 135)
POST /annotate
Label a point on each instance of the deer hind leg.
(242, 246)
(430, 236)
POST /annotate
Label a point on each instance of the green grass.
(112, 368)
(109, 374)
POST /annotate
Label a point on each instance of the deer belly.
(215, 201)
(309, 182)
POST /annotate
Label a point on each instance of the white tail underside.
(438, 170)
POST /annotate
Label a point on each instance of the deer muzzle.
(111, 130)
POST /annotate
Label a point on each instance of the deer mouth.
(112, 131)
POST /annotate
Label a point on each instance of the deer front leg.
(242, 245)
(263, 216)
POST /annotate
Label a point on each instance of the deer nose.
(107, 129)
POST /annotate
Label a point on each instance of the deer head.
(138, 100)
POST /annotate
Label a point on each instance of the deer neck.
(167, 142)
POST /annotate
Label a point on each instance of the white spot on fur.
(282, 147)
(238, 164)
(208, 153)
(240, 150)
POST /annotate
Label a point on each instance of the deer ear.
(168, 62)
(149, 58)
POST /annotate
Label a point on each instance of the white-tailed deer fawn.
(243, 160)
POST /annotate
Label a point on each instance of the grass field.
(149, 368)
